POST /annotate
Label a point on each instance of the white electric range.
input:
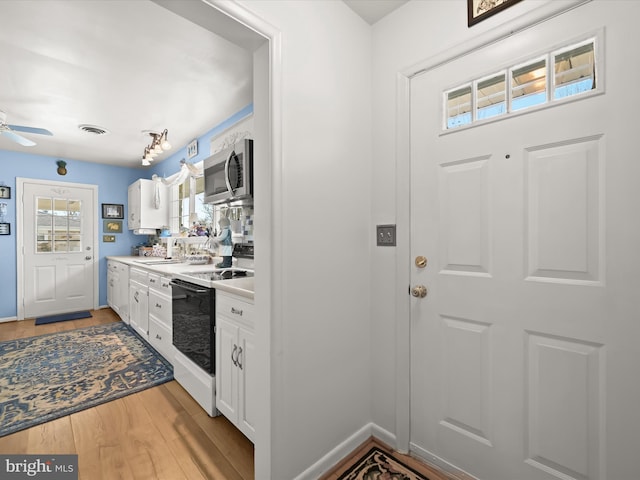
(193, 317)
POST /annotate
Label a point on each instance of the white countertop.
(238, 286)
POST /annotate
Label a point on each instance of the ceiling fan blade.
(20, 128)
(25, 142)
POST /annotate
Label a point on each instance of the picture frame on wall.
(108, 238)
(112, 226)
(5, 192)
(5, 228)
(112, 210)
(478, 10)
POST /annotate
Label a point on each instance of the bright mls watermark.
(50, 467)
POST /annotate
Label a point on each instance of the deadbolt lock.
(421, 261)
(419, 291)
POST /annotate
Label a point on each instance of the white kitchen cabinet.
(118, 288)
(160, 323)
(139, 302)
(236, 394)
(142, 208)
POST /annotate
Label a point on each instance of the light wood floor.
(159, 433)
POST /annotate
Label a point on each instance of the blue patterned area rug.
(46, 377)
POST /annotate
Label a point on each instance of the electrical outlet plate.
(386, 235)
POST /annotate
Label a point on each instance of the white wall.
(320, 354)
(412, 34)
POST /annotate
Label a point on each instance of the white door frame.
(269, 245)
(20, 241)
(403, 196)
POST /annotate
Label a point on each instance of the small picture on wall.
(5, 229)
(108, 238)
(5, 192)
(112, 226)
(112, 210)
(478, 10)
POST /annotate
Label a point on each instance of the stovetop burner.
(222, 274)
(204, 278)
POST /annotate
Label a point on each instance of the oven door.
(193, 316)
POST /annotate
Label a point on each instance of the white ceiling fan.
(9, 131)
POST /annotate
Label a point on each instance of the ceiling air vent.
(93, 129)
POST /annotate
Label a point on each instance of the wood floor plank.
(196, 452)
(55, 437)
(149, 456)
(230, 441)
(15, 443)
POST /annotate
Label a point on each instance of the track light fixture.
(159, 143)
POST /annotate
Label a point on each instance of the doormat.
(379, 465)
(50, 376)
(63, 317)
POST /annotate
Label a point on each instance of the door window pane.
(529, 85)
(58, 225)
(491, 94)
(574, 71)
(459, 107)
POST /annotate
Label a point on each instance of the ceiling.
(126, 69)
(373, 10)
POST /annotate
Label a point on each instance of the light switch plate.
(386, 235)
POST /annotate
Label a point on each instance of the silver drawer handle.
(158, 305)
(237, 312)
(235, 349)
(158, 337)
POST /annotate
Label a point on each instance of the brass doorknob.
(419, 291)
(421, 261)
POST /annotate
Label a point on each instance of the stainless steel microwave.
(228, 174)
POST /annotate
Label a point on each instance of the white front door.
(524, 351)
(58, 233)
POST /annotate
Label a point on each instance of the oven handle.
(189, 287)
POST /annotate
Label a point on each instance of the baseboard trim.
(332, 458)
(8, 319)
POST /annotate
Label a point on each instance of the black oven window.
(193, 324)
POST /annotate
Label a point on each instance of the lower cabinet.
(118, 288)
(160, 323)
(235, 361)
(139, 302)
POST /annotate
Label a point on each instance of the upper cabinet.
(148, 205)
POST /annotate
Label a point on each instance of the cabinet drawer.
(160, 338)
(160, 283)
(234, 308)
(138, 275)
(160, 307)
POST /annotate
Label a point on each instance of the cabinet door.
(247, 394)
(123, 292)
(139, 309)
(134, 206)
(226, 370)
(111, 289)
